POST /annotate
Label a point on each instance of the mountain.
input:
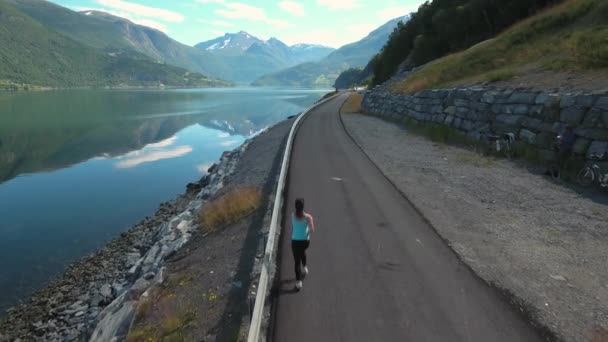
(325, 72)
(249, 57)
(310, 52)
(230, 44)
(36, 55)
(113, 34)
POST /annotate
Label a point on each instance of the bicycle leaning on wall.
(499, 144)
(592, 173)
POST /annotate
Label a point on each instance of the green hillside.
(33, 55)
(572, 36)
(113, 34)
(325, 72)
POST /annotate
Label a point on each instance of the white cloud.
(339, 4)
(328, 37)
(140, 21)
(134, 159)
(211, 1)
(202, 168)
(229, 143)
(223, 135)
(163, 143)
(292, 7)
(143, 11)
(216, 23)
(236, 10)
(278, 23)
(389, 13)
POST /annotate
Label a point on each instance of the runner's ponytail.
(300, 208)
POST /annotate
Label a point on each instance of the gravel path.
(542, 242)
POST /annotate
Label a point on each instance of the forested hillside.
(444, 26)
(32, 55)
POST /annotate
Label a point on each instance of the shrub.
(230, 208)
(352, 104)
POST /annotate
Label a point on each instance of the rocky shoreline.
(96, 296)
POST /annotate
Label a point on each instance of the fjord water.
(78, 167)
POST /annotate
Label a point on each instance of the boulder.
(567, 101)
(572, 115)
(593, 118)
(527, 136)
(597, 147)
(523, 98)
(581, 145)
(602, 103)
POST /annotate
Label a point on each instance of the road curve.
(378, 271)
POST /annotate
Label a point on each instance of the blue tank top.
(299, 229)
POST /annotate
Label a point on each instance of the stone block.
(489, 97)
(457, 122)
(584, 100)
(592, 133)
(567, 101)
(572, 115)
(531, 123)
(479, 106)
(498, 109)
(602, 103)
(523, 98)
(581, 145)
(536, 111)
(527, 136)
(593, 119)
(466, 125)
(597, 147)
(559, 127)
(462, 103)
(448, 120)
(541, 99)
(512, 120)
(451, 110)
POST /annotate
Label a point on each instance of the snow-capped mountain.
(251, 57)
(230, 43)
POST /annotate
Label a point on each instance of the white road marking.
(336, 179)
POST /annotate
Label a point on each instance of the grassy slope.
(572, 36)
(110, 33)
(35, 55)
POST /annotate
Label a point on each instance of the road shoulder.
(541, 243)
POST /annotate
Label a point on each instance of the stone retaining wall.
(535, 117)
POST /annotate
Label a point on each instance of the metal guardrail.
(274, 232)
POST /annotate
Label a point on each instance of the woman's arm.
(311, 222)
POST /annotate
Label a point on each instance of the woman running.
(301, 225)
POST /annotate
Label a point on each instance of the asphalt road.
(378, 271)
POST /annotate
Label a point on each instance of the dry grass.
(352, 104)
(475, 160)
(173, 314)
(572, 36)
(230, 208)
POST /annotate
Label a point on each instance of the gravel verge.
(211, 283)
(542, 243)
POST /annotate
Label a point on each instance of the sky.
(327, 22)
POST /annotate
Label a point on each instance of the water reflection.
(79, 167)
(53, 130)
